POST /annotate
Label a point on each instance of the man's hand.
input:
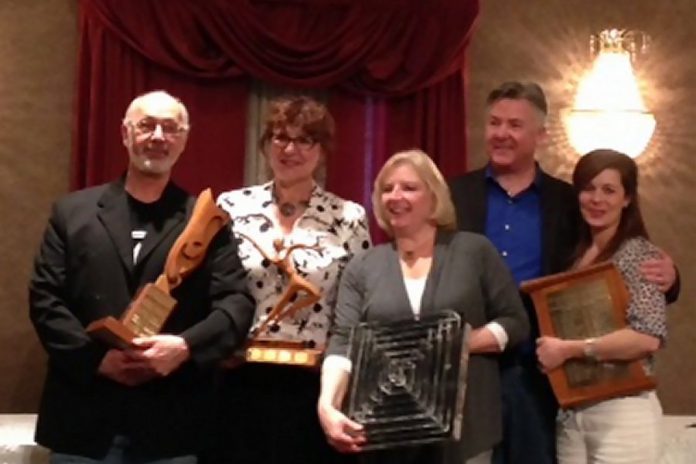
(118, 366)
(659, 271)
(161, 353)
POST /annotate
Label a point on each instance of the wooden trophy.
(153, 304)
(298, 294)
(583, 304)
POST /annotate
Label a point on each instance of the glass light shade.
(609, 111)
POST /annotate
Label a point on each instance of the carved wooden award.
(297, 295)
(582, 304)
(148, 312)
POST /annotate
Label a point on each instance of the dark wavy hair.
(631, 223)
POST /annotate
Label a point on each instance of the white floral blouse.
(338, 227)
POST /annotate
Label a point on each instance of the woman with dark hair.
(624, 429)
(294, 240)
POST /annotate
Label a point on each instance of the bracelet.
(589, 349)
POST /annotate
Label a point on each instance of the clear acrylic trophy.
(409, 380)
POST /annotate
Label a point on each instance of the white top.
(338, 227)
(414, 290)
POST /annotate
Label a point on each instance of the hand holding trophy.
(152, 306)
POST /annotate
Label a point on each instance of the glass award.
(408, 380)
(582, 304)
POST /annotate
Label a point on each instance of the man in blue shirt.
(532, 219)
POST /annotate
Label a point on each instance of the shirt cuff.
(499, 333)
(336, 361)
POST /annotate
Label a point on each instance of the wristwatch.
(588, 349)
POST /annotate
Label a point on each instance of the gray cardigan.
(468, 276)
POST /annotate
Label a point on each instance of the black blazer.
(83, 272)
(559, 215)
(559, 229)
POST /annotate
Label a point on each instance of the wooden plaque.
(145, 316)
(581, 304)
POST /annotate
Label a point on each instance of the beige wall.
(547, 41)
(543, 40)
(37, 62)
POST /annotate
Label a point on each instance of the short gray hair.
(142, 100)
(514, 90)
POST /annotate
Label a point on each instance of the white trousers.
(623, 430)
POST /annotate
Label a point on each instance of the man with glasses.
(148, 403)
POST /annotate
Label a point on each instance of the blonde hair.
(443, 212)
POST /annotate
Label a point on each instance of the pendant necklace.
(287, 208)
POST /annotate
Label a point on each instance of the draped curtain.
(393, 70)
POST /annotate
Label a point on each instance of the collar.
(316, 194)
(491, 177)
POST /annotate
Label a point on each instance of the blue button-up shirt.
(513, 224)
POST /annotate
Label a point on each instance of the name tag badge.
(138, 234)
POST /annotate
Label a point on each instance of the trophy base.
(144, 317)
(281, 352)
(112, 332)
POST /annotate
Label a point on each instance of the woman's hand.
(552, 352)
(345, 435)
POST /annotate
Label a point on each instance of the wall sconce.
(609, 111)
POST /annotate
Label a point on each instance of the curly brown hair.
(304, 113)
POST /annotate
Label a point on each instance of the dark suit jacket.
(559, 215)
(559, 223)
(468, 276)
(83, 272)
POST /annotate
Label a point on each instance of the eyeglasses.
(303, 142)
(169, 127)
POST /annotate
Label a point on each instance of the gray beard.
(154, 168)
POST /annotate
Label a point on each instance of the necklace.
(288, 208)
(412, 249)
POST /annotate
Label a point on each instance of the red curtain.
(393, 67)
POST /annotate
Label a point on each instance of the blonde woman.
(427, 267)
